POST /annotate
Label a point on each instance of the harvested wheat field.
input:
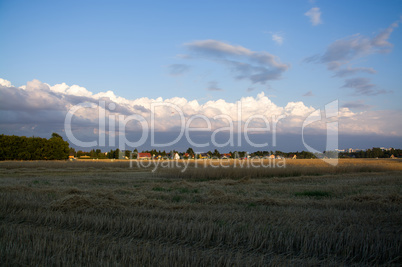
(106, 213)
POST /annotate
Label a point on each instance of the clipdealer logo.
(241, 126)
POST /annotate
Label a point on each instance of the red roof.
(144, 155)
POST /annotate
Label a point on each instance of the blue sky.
(294, 51)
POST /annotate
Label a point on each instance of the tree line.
(115, 154)
(189, 153)
(55, 148)
(33, 148)
(374, 152)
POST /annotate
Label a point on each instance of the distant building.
(144, 156)
(188, 156)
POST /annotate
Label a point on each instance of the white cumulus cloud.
(5, 83)
(41, 106)
(70, 90)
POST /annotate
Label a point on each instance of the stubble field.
(106, 213)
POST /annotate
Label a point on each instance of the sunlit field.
(298, 212)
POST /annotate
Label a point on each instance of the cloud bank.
(39, 109)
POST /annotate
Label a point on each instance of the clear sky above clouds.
(306, 52)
